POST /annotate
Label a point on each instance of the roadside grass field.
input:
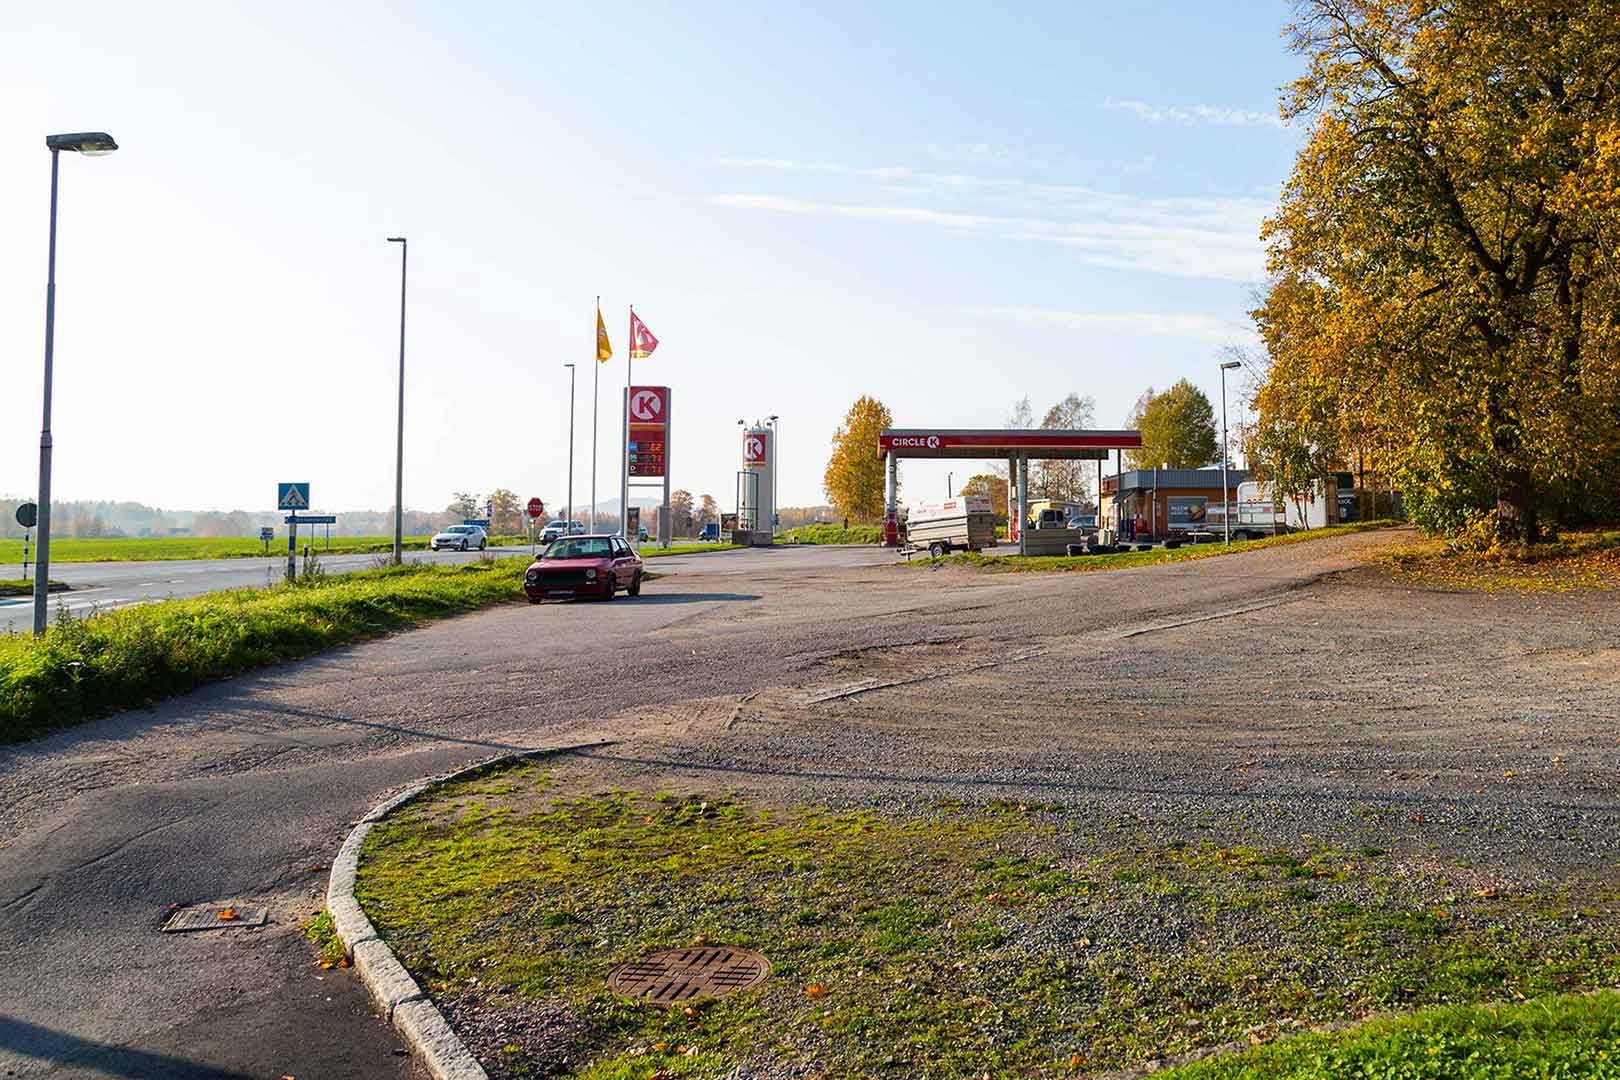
(1125, 560)
(653, 551)
(958, 941)
(164, 548)
(85, 667)
(1566, 1036)
(21, 587)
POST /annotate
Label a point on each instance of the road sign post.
(536, 508)
(27, 517)
(294, 497)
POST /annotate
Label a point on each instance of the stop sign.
(536, 508)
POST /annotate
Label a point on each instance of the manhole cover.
(681, 975)
(215, 917)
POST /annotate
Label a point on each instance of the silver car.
(460, 538)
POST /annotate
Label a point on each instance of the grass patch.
(1555, 1036)
(168, 548)
(832, 534)
(22, 587)
(1008, 940)
(1125, 560)
(85, 667)
(1574, 561)
(323, 934)
(651, 551)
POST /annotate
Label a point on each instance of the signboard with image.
(1187, 513)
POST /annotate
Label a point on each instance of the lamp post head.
(88, 143)
(1230, 365)
(396, 240)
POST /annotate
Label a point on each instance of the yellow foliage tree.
(854, 478)
(1444, 286)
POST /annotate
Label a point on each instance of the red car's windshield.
(582, 547)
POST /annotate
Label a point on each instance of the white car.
(556, 530)
(460, 538)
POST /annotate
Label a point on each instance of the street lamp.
(90, 144)
(1226, 502)
(776, 438)
(949, 477)
(399, 448)
(568, 514)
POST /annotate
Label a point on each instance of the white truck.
(965, 523)
(1257, 512)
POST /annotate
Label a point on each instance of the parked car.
(577, 566)
(560, 528)
(460, 538)
(711, 532)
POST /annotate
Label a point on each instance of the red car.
(584, 566)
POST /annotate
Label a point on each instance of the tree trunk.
(1515, 509)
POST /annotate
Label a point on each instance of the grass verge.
(1564, 1036)
(964, 941)
(328, 947)
(652, 551)
(1123, 560)
(170, 548)
(832, 534)
(85, 667)
(1575, 561)
(22, 587)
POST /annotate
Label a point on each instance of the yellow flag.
(604, 348)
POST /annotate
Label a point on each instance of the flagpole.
(596, 382)
(624, 443)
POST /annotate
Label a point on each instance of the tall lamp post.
(949, 478)
(90, 144)
(568, 513)
(1226, 503)
(399, 446)
(776, 441)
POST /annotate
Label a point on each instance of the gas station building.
(1016, 447)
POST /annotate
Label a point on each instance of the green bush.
(834, 534)
(86, 667)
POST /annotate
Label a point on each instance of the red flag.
(642, 342)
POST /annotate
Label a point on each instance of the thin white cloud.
(1165, 324)
(1189, 115)
(1187, 236)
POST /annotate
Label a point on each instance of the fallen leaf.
(660, 1046)
(1487, 893)
(315, 868)
(1075, 1060)
(227, 914)
(1508, 773)
(815, 990)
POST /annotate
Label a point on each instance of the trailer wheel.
(936, 549)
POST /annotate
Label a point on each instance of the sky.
(947, 207)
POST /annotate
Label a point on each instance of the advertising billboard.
(1187, 513)
(649, 430)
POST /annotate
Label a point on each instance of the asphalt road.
(109, 585)
(243, 790)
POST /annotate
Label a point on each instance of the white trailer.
(967, 522)
(1258, 512)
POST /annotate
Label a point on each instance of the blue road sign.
(292, 496)
(482, 523)
(318, 519)
(266, 533)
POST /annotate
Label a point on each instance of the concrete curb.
(405, 1004)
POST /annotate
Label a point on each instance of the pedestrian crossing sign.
(292, 496)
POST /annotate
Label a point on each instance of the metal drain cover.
(676, 976)
(215, 917)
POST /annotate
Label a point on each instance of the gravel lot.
(1315, 695)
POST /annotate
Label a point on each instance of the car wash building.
(1016, 447)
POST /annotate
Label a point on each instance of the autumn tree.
(854, 479)
(1064, 480)
(506, 515)
(1178, 429)
(708, 510)
(680, 512)
(988, 486)
(464, 505)
(1444, 288)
